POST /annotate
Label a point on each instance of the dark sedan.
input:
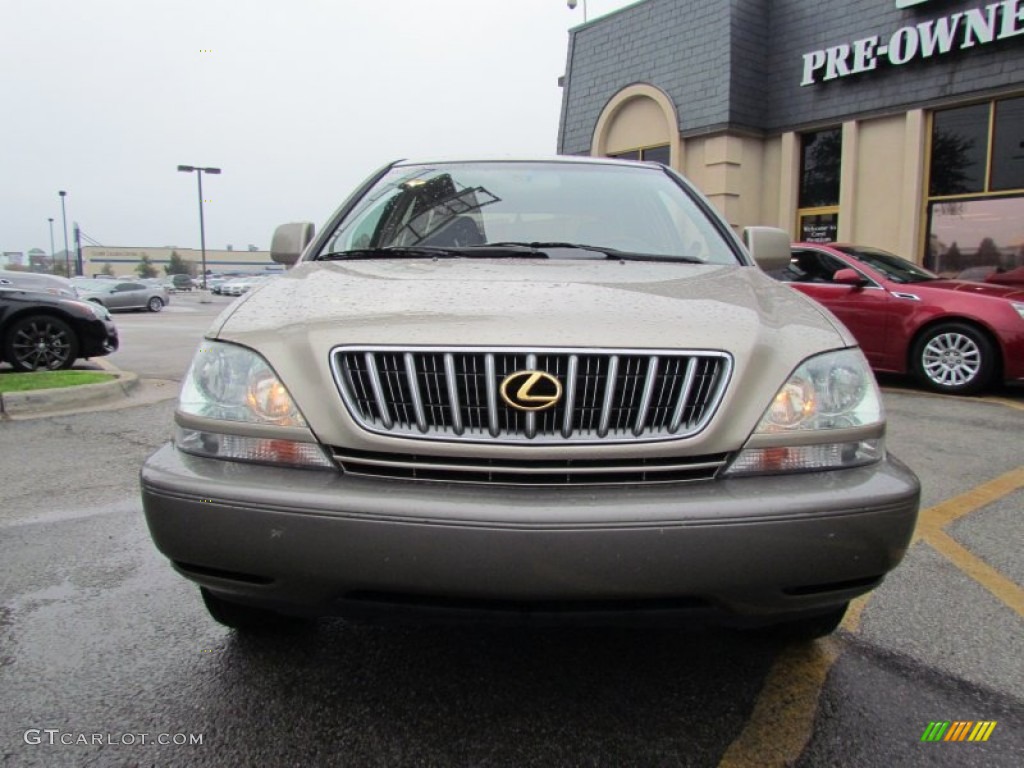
(43, 331)
(955, 336)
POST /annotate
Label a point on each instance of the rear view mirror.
(769, 246)
(290, 240)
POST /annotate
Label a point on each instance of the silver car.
(529, 391)
(122, 294)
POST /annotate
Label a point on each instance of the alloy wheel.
(951, 359)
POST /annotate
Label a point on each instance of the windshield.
(555, 204)
(893, 267)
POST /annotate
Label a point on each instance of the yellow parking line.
(1004, 401)
(851, 621)
(938, 517)
(1002, 588)
(783, 718)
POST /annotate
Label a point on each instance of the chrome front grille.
(607, 396)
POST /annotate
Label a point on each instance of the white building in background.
(123, 261)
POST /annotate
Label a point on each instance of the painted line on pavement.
(1003, 589)
(931, 528)
(782, 722)
(783, 718)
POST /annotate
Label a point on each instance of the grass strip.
(25, 382)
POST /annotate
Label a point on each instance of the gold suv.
(536, 391)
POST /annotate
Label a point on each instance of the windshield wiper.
(608, 252)
(390, 252)
(496, 251)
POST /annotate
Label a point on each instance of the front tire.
(40, 342)
(244, 618)
(954, 358)
(155, 304)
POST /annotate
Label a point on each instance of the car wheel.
(809, 627)
(40, 342)
(155, 304)
(954, 358)
(244, 618)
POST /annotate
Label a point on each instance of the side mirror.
(290, 240)
(849, 277)
(769, 246)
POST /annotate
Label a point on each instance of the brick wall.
(738, 64)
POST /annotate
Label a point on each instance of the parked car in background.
(37, 281)
(975, 274)
(955, 336)
(123, 295)
(213, 284)
(47, 331)
(529, 391)
(241, 285)
(183, 282)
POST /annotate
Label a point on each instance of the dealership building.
(892, 123)
(123, 262)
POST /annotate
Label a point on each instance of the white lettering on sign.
(958, 31)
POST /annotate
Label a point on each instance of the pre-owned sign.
(955, 32)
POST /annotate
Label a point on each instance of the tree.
(109, 270)
(178, 266)
(145, 268)
(953, 261)
(989, 254)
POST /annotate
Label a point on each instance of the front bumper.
(739, 550)
(98, 337)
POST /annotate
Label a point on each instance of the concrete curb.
(68, 398)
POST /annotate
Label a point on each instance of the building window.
(1008, 145)
(658, 154)
(959, 150)
(820, 159)
(976, 191)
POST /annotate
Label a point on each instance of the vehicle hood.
(296, 320)
(993, 290)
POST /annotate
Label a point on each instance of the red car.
(955, 336)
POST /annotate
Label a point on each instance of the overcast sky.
(296, 100)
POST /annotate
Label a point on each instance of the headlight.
(234, 384)
(828, 415)
(1018, 307)
(94, 309)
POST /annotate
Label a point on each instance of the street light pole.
(202, 225)
(64, 216)
(53, 256)
(572, 5)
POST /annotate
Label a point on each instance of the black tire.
(809, 627)
(155, 304)
(954, 358)
(40, 342)
(244, 618)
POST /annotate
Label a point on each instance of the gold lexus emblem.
(531, 390)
